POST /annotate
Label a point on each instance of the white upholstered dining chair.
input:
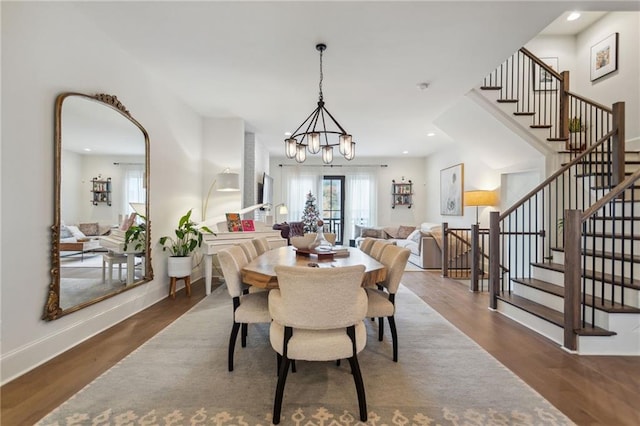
(366, 244)
(249, 249)
(378, 247)
(318, 316)
(261, 244)
(381, 301)
(248, 308)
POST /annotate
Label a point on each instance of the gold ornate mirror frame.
(52, 308)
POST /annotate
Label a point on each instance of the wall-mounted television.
(265, 190)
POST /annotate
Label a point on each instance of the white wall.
(574, 52)
(47, 48)
(623, 84)
(223, 143)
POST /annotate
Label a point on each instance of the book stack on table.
(340, 251)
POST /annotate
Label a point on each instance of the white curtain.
(361, 199)
(360, 193)
(134, 191)
(297, 181)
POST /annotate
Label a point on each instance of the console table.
(211, 244)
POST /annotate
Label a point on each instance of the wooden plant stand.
(187, 285)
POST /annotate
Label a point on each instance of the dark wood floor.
(590, 390)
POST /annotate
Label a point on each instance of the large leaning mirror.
(101, 235)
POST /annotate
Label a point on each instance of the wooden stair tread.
(560, 140)
(524, 113)
(490, 87)
(634, 218)
(540, 126)
(611, 255)
(550, 315)
(597, 302)
(541, 285)
(608, 278)
(614, 236)
(507, 101)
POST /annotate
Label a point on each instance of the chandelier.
(314, 134)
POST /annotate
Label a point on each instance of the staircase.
(565, 259)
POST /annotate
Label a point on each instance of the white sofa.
(425, 249)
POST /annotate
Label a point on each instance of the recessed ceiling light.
(405, 152)
(87, 149)
(287, 133)
(573, 16)
(431, 134)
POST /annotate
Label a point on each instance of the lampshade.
(228, 181)
(480, 198)
(282, 209)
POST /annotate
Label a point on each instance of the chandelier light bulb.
(314, 143)
(301, 154)
(327, 154)
(352, 151)
(291, 147)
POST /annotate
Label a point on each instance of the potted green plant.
(188, 237)
(575, 125)
(136, 234)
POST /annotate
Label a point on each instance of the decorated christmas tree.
(310, 215)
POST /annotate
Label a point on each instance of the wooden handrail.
(541, 64)
(560, 171)
(592, 103)
(615, 192)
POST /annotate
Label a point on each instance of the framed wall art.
(604, 57)
(451, 190)
(543, 80)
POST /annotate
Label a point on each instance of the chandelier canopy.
(319, 132)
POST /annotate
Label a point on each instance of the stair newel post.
(572, 277)
(475, 257)
(494, 258)
(564, 108)
(618, 164)
(445, 249)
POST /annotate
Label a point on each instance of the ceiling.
(257, 60)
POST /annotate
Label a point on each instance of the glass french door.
(333, 206)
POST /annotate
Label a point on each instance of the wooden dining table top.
(260, 272)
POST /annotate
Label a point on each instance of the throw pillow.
(89, 228)
(391, 231)
(371, 233)
(415, 236)
(65, 232)
(75, 231)
(405, 231)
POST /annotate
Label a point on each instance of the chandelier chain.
(321, 76)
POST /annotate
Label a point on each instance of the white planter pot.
(179, 266)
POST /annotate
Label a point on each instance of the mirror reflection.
(102, 182)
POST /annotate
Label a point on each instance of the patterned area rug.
(180, 377)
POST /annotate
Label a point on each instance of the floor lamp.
(226, 182)
(480, 199)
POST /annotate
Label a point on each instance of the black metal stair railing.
(601, 258)
(539, 91)
(532, 228)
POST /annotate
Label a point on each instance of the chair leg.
(243, 336)
(282, 378)
(380, 328)
(394, 336)
(293, 365)
(357, 378)
(278, 363)
(232, 343)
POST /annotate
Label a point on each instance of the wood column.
(572, 277)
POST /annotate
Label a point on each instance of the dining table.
(260, 272)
